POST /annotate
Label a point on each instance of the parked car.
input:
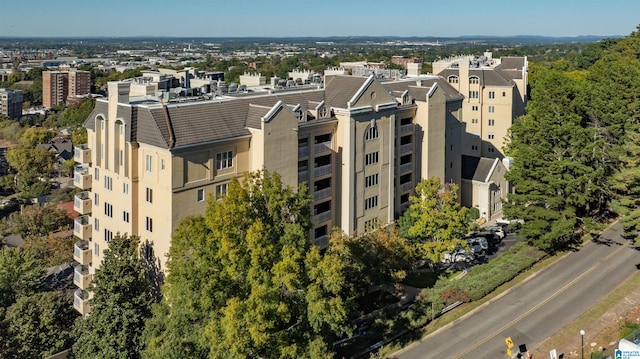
(478, 245)
(458, 255)
(492, 238)
(498, 231)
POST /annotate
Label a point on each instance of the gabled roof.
(477, 168)
(340, 89)
(255, 115)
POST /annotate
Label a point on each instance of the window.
(125, 188)
(371, 134)
(474, 120)
(371, 158)
(96, 224)
(121, 130)
(474, 80)
(149, 195)
(474, 94)
(121, 156)
(149, 224)
(453, 79)
(108, 235)
(474, 147)
(371, 180)
(108, 209)
(504, 94)
(162, 164)
(224, 160)
(108, 183)
(492, 122)
(474, 108)
(102, 151)
(490, 135)
(492, 94)
(491, 149)
(125, 216)
(221, 190)
(96, 249)
(370, 225)
(148, 163)
(200, 194)
(371, 202)
(492, 109)
(96, 174)
(96, 199)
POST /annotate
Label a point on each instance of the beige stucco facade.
(359, 144)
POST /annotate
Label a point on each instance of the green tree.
(240, 275)
(38, 326)
(36, 135)
(121, 303)
(33, 166)
(20, 275)
(38, 221)
(435, 222)
(626, 182)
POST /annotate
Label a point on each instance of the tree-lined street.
(539, 307)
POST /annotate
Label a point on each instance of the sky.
(321, 18)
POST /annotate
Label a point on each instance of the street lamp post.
(582, 341)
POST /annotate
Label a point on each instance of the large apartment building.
(495, 93)
(11, 103)
(57, 86)
(360, 145)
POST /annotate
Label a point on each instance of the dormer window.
(371, 133)
(453, 79)
(474, 80)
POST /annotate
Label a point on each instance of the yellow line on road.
(537, 306)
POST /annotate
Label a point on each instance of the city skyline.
(287, 18)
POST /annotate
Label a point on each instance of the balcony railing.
(82, 177)
(82, 227)
(303, 151)
(321, 242)
(406, 148)
(323, 193)
(407, 186)
(82, 154)
(81, 276)
(322, 170)
(303, 176)
(81, 301)
(406, 129)
(406, 167)
(82, 252)
(322, 147)
(82, 203)
(323, 217)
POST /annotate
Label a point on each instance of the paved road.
(539, 307)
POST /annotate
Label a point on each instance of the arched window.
(474, 80)
(371, 133)
(453, 79)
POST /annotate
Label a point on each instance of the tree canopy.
(121, 303)
(247, 279)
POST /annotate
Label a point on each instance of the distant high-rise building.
(11, 103)
(57, 86)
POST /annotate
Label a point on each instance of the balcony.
(82, 177)
(303, 176)
(406, 148)
(323, 193)
(406, 186)
(321, 242)
(322, 147)
(323, 217)
(404, 129)
(81, 301)
(82, 227)
(303, 151)
(406, 167)
(82, 203)
(81, 276)
(82, 253)
(82, 154)
(322, 170)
